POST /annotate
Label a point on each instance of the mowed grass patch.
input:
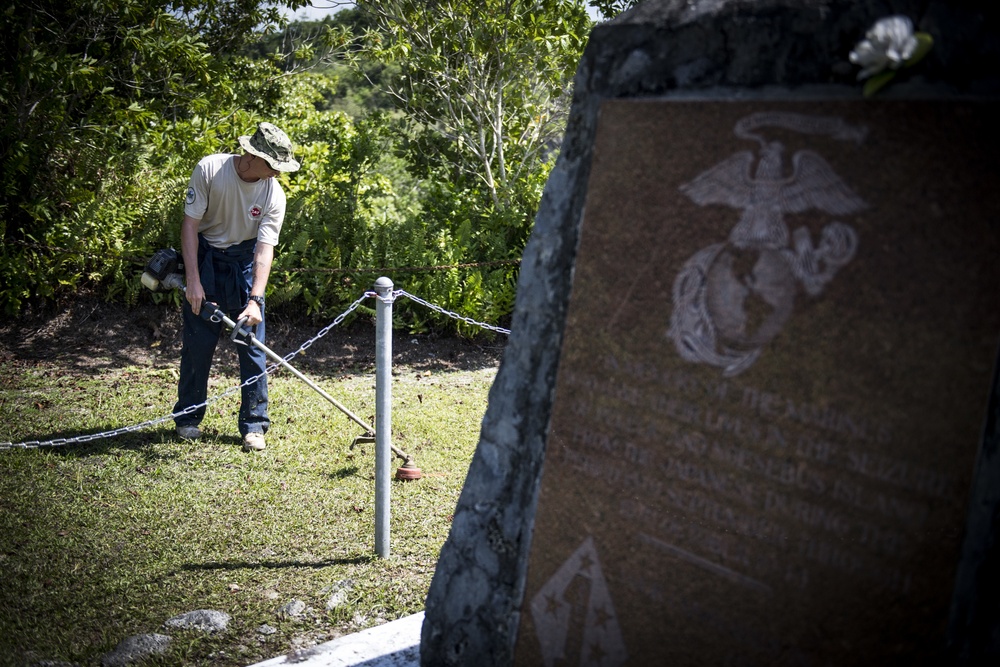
(107, 539)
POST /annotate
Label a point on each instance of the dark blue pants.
(201, 336)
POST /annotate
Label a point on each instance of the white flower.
(888, 44)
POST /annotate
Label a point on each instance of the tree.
(491, 78)
(82, 82)
(228, 25)
(322, 46)
(612, 8)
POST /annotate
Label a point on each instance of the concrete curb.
(395, 644)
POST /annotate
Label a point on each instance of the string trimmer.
(163, 274)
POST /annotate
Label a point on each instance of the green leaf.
(877, 82)
(924, 45)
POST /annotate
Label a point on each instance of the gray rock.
(293, 608)
(301, 654)
(266, 630)
(205, 620)
(338, 593)
(135, 648)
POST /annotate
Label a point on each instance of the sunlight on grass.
(111, 538)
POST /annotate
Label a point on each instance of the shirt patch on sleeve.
(190, 195)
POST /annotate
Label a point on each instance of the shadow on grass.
(343, 473)
(275, 565)
(144, 442)
(69, 443)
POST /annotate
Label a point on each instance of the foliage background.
(425, 138)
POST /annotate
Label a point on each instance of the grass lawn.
(107, 539)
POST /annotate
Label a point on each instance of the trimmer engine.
(163, 271)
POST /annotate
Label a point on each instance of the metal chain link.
(57, 442)
(439, 309)
(325, 330)
(389, 298)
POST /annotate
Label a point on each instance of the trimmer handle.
(211, 312)
(240, 335)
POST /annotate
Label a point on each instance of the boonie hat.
(273, 145)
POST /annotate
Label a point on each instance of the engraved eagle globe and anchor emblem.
(731, 298)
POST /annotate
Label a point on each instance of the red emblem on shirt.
(255, 211)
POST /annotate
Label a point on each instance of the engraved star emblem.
(593, 631)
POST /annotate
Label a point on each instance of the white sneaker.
(189, 432)
(253, 442)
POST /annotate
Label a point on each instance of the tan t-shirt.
(230, 209)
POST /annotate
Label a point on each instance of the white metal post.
(383, 412)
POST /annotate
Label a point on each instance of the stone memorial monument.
(749, 410)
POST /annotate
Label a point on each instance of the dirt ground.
(89, 334)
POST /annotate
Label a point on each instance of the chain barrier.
(324, 331)
(389, 298)
(57, 442)
(455, 316)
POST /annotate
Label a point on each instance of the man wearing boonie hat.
(232, 218)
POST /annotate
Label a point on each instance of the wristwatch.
(258, 299)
